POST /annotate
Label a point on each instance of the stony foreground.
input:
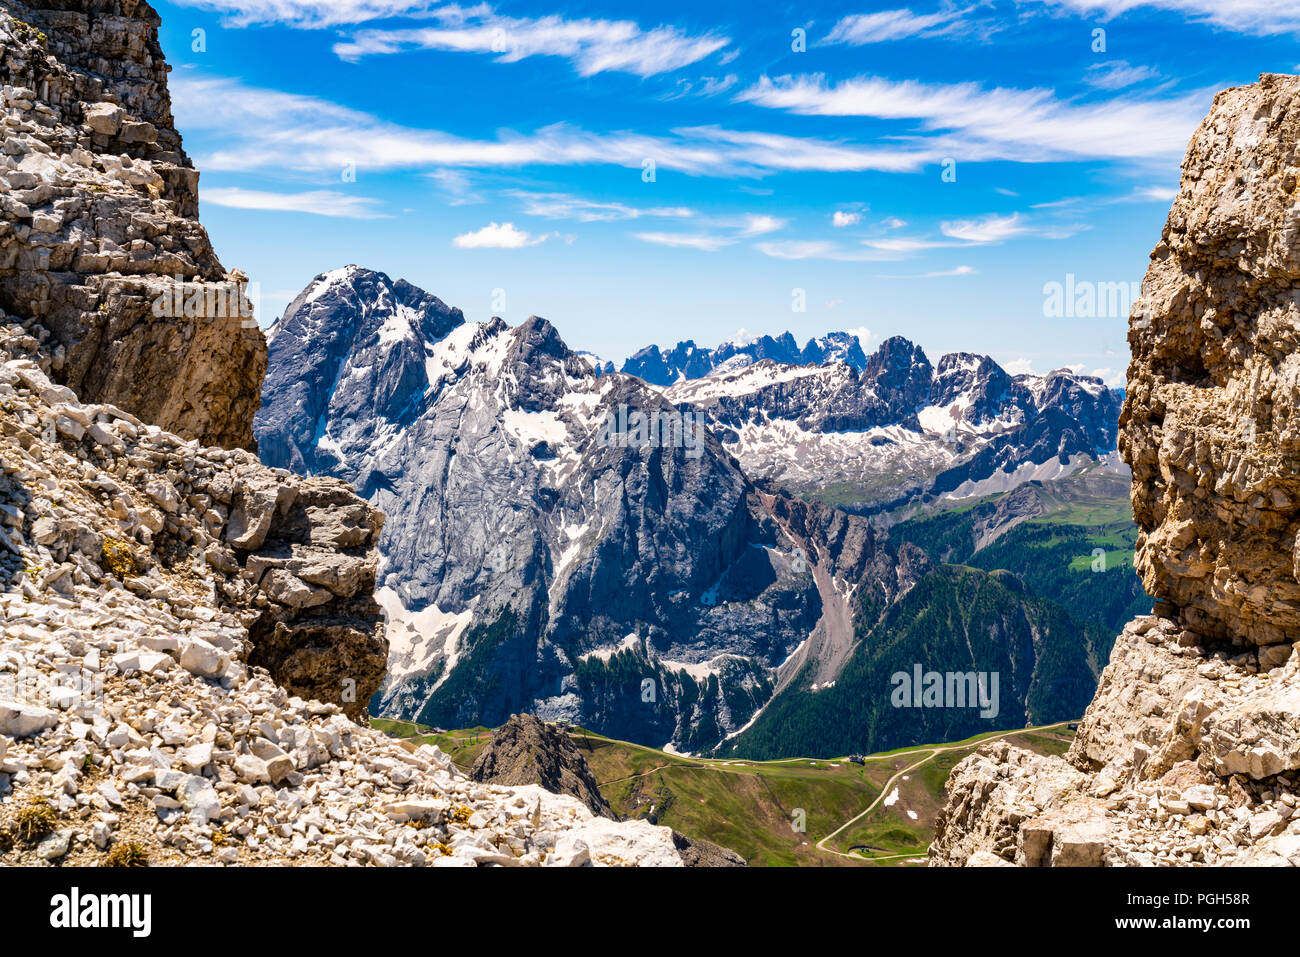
(1191, 756)
(132, 724)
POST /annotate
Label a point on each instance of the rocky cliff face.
(1190, 751)
(107, 277)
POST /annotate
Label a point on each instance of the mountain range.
(656, 560)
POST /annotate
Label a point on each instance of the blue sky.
(674, 172)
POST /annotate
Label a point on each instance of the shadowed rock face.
(1190, 750)
(527, 750)
(104, 269)
(1211, 423)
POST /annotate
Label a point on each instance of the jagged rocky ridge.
(99, 228)
(686, 360)
(185, 632)
(532, 560)
(898, 429)
(1190, 751)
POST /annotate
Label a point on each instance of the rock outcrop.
(527, 750)
(1190, 751)
(106, 276)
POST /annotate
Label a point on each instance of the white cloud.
(893, 222)
(958, 271)
(1257, 17)
(820, 249)
(742, 227)
(1153, 194)
(706, 86)
(310, 14)
(498, 236)
(702, 241)
(859, 29)
(1019, 367)
(757, 225)
(985, 229)
(833, 303)
(997, 124)
(457, 185)
(1117, 74)
(321, 202)
(567, 206)
(863, 334)
(1112, 378)
(842, 218)
(270, 129)
(592, 46)
(907, 244)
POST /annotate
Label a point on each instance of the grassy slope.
(749, 806)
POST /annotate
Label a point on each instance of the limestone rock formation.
(107, 277)
(1211, 422)
(1190, 751)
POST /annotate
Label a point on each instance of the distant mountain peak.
(687, 360)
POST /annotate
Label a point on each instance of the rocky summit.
(106, 277)
(527, 750)
(188, 637)
(1190, 751)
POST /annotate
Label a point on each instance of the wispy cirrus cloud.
(704, 242)
(1256, 17)
(320, 202)
(308, 14)
(260, 128)
(938, 274)
(592, 46)
(860, 29)
(1117, 74)
(985, 229)
(733, 230)
(705, 86)
(986, 124)
(568, 206)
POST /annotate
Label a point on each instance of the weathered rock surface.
(1190, 750)
(1211, 422)
(107, 277)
